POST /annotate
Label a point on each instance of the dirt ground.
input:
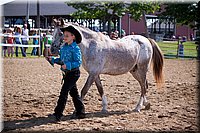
(32, 86)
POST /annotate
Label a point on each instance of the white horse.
(101, 55)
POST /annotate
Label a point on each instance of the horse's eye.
(60, 34)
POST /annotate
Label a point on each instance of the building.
(17, 13)
(165, 27)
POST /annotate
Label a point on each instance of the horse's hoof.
(104, 111)
(136, 110)
(147, 107)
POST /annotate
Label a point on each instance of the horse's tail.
(158, 62)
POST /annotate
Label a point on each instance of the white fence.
(20, 37)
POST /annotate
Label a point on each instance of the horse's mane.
(88, 33)
(80, 25)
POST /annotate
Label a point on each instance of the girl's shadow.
(37, 121)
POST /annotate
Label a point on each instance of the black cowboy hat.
(74, 31)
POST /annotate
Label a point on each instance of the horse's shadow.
(37, 121)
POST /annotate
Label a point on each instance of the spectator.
(123, 33)
(114, 36)
(4, 41)
(18, 41)
(35, 42)
(116, 33)
(10, 40)
(191, 37)
(40, 50)
(25, 37)
(45, 39)
(184, 38)
(173, 38)
(50, 37)
(181, 49)
(15, 29)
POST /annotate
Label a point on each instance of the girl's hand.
(48, 58)
(64, 67)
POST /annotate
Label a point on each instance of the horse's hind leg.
(101, 92)
(145, 102)
(140, 75)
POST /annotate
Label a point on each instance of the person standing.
(45, 40)
(25, 38)
(10, 40)
(191, 37)
(181, 49)
(114, 35)
(4, 41)
(35, 42)
(18, 41)
(70, 60)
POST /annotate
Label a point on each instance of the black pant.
(25, 42)
(69, 86)
(22, 50)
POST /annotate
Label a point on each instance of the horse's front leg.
(101, 92)
(91, 78)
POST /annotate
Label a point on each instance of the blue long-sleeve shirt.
(70, 55)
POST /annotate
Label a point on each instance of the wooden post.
(120, 26)
(129, 25)
(145, 24)
(38, 26)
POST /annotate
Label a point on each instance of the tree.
(99, 10)
(186, 14)
(137, 9)
(106, 11)
(96, 10)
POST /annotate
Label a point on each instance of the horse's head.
(57, 37)
(57, 41)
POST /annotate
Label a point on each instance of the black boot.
(78, 116)
(56, 116)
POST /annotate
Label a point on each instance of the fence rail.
(170, 49)
(20, 37)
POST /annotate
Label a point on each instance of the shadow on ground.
(37, 121)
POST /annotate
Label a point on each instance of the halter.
(57, 39)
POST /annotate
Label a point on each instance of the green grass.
(170, 48)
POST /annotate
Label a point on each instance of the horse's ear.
(62, 22)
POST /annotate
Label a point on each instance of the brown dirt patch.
(32, 86)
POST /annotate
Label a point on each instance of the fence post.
(39, 40)
(177, 48)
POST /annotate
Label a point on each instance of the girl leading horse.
(101, 55)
